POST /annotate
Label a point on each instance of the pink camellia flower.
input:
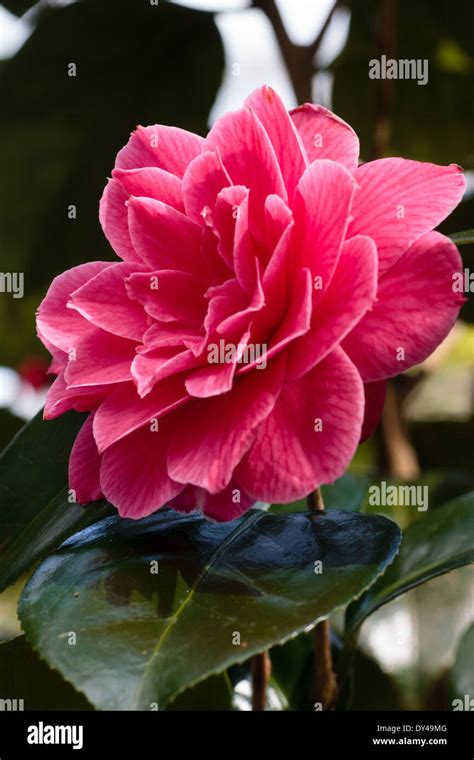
(267, 287)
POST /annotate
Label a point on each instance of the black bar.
(133, 734)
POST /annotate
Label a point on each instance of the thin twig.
(325, 684)
(299, 59)
(385, 35)
(315, 501)
(400, 458)
(261, 672)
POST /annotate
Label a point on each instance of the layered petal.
(100, 359)
(149, 182)
(309, 437)
(211, 380)
(164, 237)
(55, 322)
(204, 178)
(374, 401)
(228, 504)
(350, 295)
(104, 301)
(246, 251)
(113, 218)
(296, 322)
(123, 410)
(84, 465)
(168, 148)
(287, 144)
(224, 217)
(216, 378)
(325, 135)
(398, 200)
(212, 435)
(321, 211)
(62, 399)
(278, 217)
(249, 158)
(133, 472)
(169, 296)
(415, 309)
(154, 364)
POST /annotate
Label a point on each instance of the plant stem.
(315, 501)
(325, 684)
(385, 39)
(261, 672)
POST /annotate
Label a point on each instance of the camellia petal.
(55, 322)
(416, 308)
(249, 158)
(168, 148)
(287, 144)
(133, 472)
(310, 435)
(398, 200)
(104, 302)
(350, 295)
(84, 465)
(164, 237)
(325, 135)
(124, 411)
(374, 400)
(149, 182)
(203, 180)
(61, 398)
(206, 455)
(228, 504)
(321, 212)
(100, 358)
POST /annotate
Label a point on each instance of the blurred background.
(77, 77)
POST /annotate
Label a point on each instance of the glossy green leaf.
(463, 238)
(461, 676)
(24, 676)
(435, 544)
(219, 594)
(35, 514)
